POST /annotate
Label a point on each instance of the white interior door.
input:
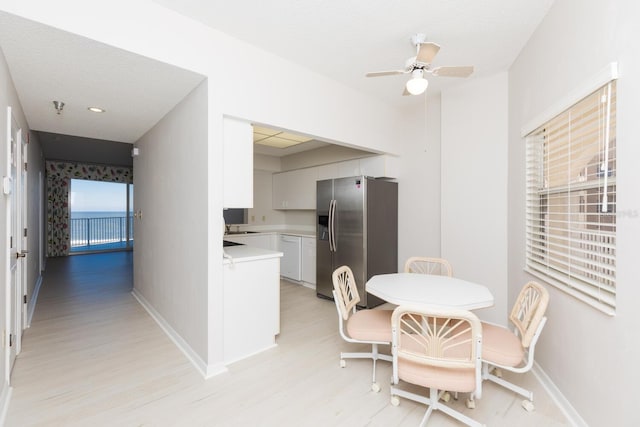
(11, 282)
(22, 200)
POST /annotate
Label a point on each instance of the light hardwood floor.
(94, 357)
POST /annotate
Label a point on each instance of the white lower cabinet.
(251, 307)
(290, 246)
(299, 253)
(308, 260)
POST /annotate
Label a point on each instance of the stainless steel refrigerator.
(356, 225)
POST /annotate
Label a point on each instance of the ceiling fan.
(420, 65)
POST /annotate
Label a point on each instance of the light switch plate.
(6, 185)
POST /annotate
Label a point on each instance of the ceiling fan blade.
(385, 73)
(426, 52)
(452, 71)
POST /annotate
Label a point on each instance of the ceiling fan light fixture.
(417, 84)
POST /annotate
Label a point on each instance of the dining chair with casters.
(426, 265)
(439, 350)
(434, 266)
(513, 350)
(366, 326)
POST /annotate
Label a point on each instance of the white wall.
(170, 255)
(474, 186)
(419, 182)
(592, 358)
(34, 223)
(9, 97)
(262, 214)
(575, 40)
(273, 96)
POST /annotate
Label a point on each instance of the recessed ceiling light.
(96, 109)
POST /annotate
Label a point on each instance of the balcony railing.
(95, 233)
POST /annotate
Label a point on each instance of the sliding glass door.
(101, 216)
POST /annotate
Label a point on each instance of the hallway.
(92, 351)
(94, 357)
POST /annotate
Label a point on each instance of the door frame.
(22, 240)
(15, 245)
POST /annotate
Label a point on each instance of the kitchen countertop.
(301, 233)
(244, 253)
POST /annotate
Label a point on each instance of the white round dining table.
(432, 290)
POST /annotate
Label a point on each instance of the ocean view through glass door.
(99, 218)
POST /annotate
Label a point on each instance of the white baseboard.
(229, 362)
(5, 398)
(556, 395)
(299, 282)
(207, 371)
(31, 305)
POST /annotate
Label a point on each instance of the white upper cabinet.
(348, 168)
(238, 163)
(378, 166)
(295, 189)
(329, 171)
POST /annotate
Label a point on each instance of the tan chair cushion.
(451, 379)
(501, 346)
(462, 380)
(370, 325)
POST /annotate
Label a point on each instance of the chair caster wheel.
(375, 387)
(343, 363)
(528, 405)
(395, 400)
(446, 397)
(471, 404)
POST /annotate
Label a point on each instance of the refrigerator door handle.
(329, 225)
(330, 222)
(333, 226)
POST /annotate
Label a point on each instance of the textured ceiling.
(344, 39)
(47, 64)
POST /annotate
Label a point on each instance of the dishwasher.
(291, 247)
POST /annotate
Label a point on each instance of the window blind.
(571, 199)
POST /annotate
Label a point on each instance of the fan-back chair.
(367, 326)
(439, 350)
(425, 265)
(513, 350)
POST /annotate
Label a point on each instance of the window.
(571, 200)
(100, 219)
